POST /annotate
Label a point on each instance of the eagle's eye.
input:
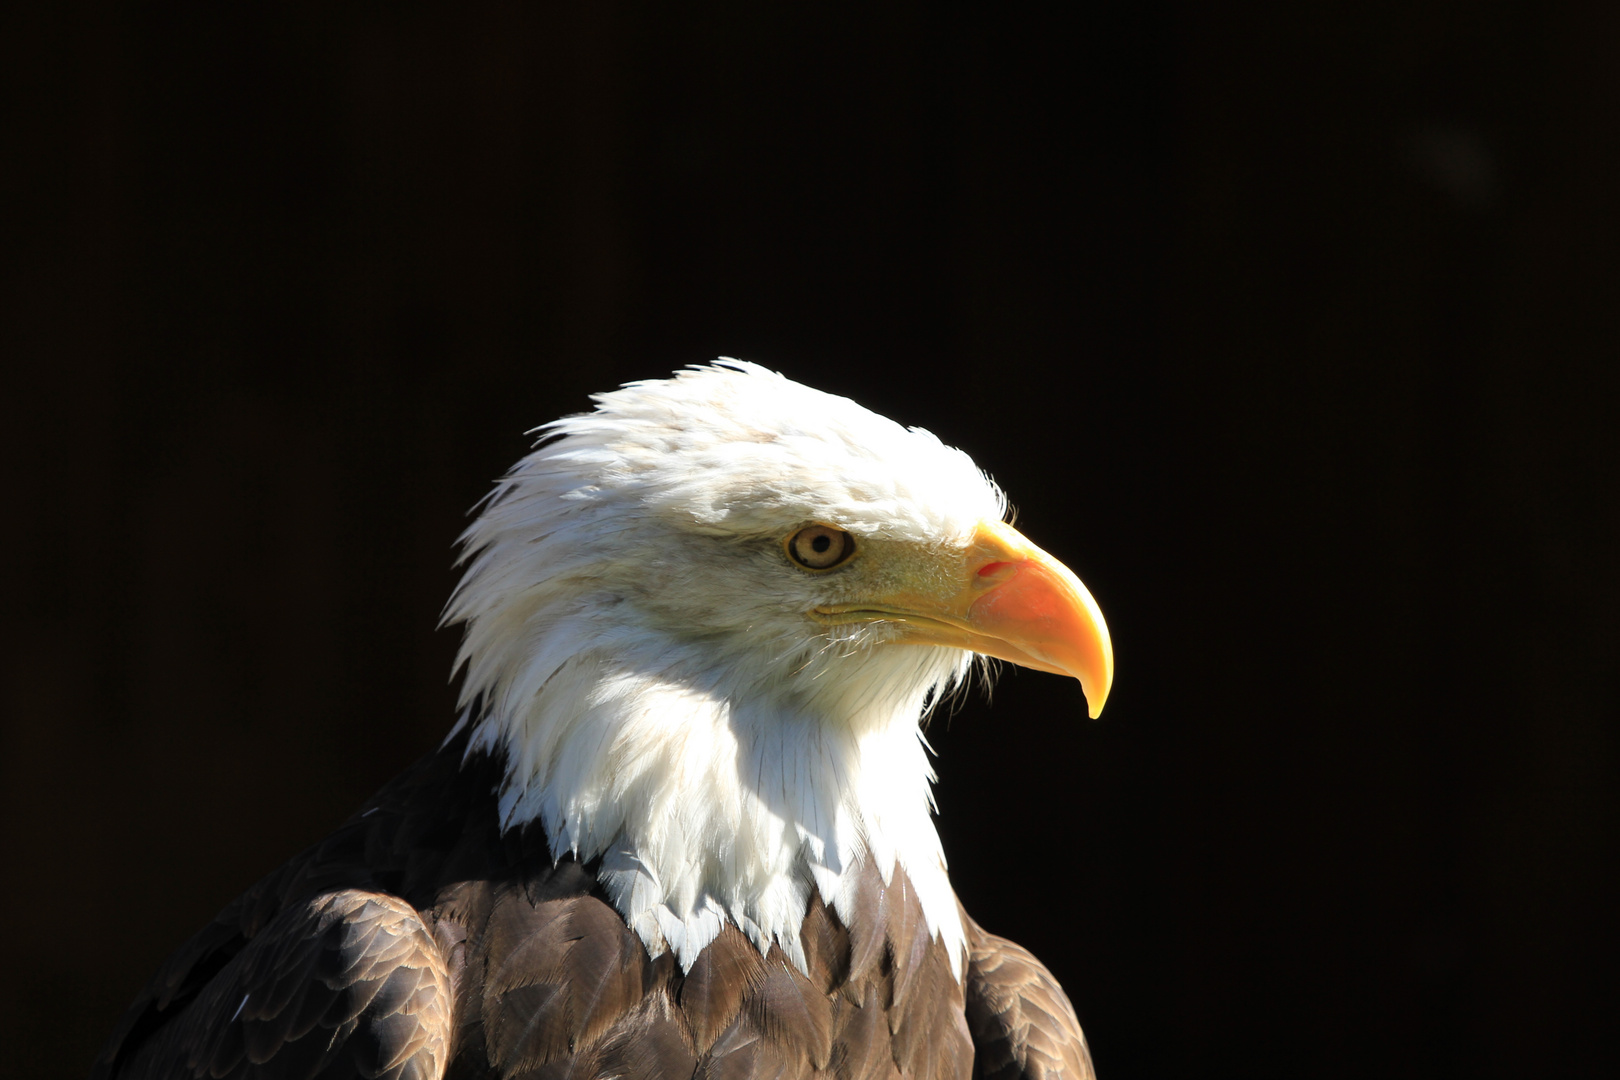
(820, 547)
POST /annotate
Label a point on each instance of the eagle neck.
(711, 799)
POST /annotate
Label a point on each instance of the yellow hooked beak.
(1010, 600)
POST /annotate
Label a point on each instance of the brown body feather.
(419, 942)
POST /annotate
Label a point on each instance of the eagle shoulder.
(349, 983)
(1023, 1026)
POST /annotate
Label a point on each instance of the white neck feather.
(709, 799)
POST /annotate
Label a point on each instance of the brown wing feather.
(862, 1046)
(826, 946)
(712, 993)
(1021, 1021)
(907, 939)
(794, 1016)
(557, 975)
(350, 984)
(868, 931)
(651, 1043)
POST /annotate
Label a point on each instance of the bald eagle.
(683, 824)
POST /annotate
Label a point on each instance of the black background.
(1293, 328)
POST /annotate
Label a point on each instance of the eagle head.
(703, 621)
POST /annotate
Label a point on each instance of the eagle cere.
(683, 824)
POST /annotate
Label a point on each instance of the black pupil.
(821, 543)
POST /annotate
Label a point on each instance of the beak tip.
(1097, 696)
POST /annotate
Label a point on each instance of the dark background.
(1293, 328)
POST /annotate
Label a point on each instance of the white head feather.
(640, 647)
